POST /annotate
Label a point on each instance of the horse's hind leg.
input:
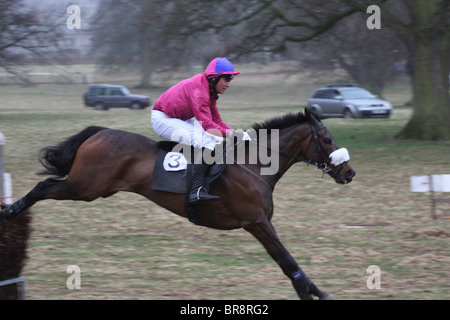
(48, 189)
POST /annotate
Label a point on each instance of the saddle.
(172, 171)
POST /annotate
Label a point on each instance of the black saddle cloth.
(180, 181)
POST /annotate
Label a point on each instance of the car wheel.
(135, 106)
(348, 114)
(100, 106)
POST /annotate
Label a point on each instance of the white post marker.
(5, 178)
(432, 183)
(2, 143)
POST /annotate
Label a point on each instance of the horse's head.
(323, 151)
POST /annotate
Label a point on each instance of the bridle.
(321, 165)
(324, 166)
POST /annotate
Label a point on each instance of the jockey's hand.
(239, 135)
(242, 135)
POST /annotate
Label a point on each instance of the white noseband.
(339, 156)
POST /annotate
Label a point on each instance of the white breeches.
(188, 132)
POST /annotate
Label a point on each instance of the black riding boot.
(198, 192)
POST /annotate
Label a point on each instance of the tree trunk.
(145, 64)
(428, 40)
(431, 117)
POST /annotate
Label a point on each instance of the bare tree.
(370, 57)
(147, 34)
(155, 32)
(142, 35)
(26, 34)
(422, 26)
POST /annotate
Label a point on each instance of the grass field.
(129, 248)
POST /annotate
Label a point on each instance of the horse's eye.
(327, 141)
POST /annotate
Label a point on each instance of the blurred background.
(150, 37)
(129, 248)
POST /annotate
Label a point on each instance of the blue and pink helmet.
(218, 67)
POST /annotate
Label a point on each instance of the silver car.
(345, 100)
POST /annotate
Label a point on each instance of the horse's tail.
(57, 160)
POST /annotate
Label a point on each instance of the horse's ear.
(312, 115)
(308, 113)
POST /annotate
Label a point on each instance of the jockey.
(190, 104)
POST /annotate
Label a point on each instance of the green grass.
(129, 248)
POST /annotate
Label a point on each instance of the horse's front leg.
(265, 233)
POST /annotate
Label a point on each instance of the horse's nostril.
(350, 173)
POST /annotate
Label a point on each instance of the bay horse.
(98, 162)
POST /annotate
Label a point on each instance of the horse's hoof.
(326, 296)
(4, 215)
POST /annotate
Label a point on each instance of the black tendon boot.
(8, 212)
(198, 192)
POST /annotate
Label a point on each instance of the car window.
(357, 93)
(336, 95)
(320, 94)
(109, 91)
(329, 94)
(94, 91)
(125, 91)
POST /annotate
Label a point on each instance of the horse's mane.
(281, 122)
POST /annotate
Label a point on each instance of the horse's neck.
(284, 147)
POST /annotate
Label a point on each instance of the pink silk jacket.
(191, 98)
